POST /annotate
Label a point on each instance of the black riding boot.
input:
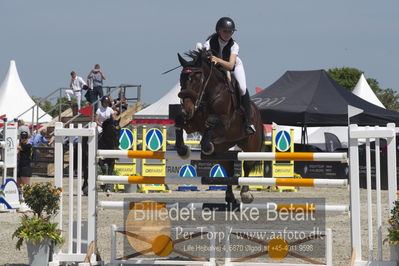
(246, 103)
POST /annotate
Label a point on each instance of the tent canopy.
(312, 98)
(160, 109)
(14, 99)
(363, 90)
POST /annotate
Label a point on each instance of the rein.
(204, 85)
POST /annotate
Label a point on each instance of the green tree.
(390, 99)
(44, 105)
(347, 77)
(53, 108)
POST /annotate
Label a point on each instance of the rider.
(104, 112)
(225, 53)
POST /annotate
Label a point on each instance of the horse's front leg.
(101, 163)
(182, 149)
(103, 168)
(207, 146)
(229, 167)
(111, 165)
(245, 193)
(85, 186)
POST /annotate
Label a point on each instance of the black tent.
(312, 98)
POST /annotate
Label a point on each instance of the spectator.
(38, 140)
(77, 84)
(104, 112)
(24, 170)
(96, 78)
(121, 102)
(22, 128)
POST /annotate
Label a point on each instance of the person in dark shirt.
(96, 78)
(24, 172)
(121, 103)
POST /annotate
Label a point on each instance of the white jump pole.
(255, 181)
(269, 206)
(240, 156)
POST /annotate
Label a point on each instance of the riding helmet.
(24, 135)
(105, 99)
(225, 23)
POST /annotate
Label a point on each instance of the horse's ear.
(199, 58)
(181, 60)
(206, 52)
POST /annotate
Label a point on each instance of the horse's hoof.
(210, 150)
(85, 191)
(232, 201)
(107, 188)
(184, 152)
(246, 197)
(230, 198)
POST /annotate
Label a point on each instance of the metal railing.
(61, 92)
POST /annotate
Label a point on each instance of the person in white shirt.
(77, 85)
(104, 112)
(225, 53)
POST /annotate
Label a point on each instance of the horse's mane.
(109, 138)
(195, 55)
(107, 122)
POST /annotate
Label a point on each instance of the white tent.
(363, 90)
(14, 99)
(160, 109)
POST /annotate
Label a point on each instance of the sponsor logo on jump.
(125, 139)
(283, 140)
(154, 139)
(218, 171)
(187, 170)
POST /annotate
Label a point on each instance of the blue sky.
(135, 41)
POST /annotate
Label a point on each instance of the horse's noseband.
(190, 93)
(191, 70)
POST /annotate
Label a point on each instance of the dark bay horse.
(108, 140)
(211, 107)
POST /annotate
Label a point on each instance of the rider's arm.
(115, 116)
(98, 120)
(229, 65)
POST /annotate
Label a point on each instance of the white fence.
(9, 152)
(356, 208)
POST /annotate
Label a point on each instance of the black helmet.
(24, 135)
(105, 99)
(225, 23)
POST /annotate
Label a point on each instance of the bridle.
(203, 85)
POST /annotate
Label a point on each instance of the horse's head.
(109, 138)
(193, 81)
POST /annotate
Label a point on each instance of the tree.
(347, 77)
(44, 105)
(53, 109)
(390, 99)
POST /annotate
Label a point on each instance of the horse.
(210, 106)
(108, 140)
(84, 162)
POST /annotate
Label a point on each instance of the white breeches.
(77, 94)
(239, 74)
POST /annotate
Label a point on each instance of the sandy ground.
(339, 223)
